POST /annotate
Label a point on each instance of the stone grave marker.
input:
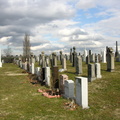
(47, 76)
(110, 60)
(55, 80)
(64, 63)
(91, 72)
(78, 65)
(98, 70)
(62, 79)
(82, 91)
(69, 89)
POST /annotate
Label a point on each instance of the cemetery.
(60, 86)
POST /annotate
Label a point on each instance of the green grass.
(19, 99)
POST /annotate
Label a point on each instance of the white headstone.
(32, 68)
(64, 63)
(85, 55)
(37, 71)
(104, 56)
(69, 88)
(82, 92)
(98, 70)
(47, 76)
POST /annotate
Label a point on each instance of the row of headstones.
(65, 86)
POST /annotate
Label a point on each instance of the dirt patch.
(14, 74)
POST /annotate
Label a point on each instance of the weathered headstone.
(98, 70)
(54, 59)
(71, 58)
(87, 59)
(82, 91)
(116, 52)
(96, 59)
(61, 56)
(55, 80)
(78, 65)
(92, 58)
(110, 60)
(69, 89)
(43, 60)
(64, 63)
(74, 57)
(62, 79)
(91, 72)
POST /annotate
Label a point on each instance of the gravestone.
(85, 55)
(43, 75)
(64, 63)
(92, 58)
(43, 60)
(47, 76)
(87, 59)
(104, 56)
(47, 61)
(116, 52)
(90, 52)
(96, 58)
(110, 60)
(71, 58)
(62, 79)
(54, 59)
(61, 56)
(37, 71)
(98, 70)
(82, 91)
(74, 57)
(69, 89)
(91, 72)
(78, 65)
(32, 68)
(55, 80)
(25, 65)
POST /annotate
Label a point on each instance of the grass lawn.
(19, 99)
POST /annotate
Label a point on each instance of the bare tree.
(26, 46)
(8, 51)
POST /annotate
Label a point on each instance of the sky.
(58, 25)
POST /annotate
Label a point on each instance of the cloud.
(86, 4)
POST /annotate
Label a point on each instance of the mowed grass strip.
(21, 101)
